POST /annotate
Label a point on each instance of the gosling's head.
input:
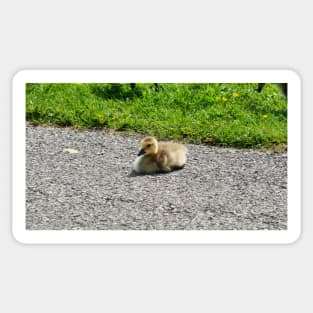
(149, 145)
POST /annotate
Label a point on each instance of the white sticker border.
(155, 237)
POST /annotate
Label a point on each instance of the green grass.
(221, 114)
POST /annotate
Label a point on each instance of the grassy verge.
(222, 114)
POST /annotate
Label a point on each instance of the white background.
(155, 34)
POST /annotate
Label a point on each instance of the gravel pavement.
(91, 187)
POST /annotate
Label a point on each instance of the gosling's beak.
(141, 152)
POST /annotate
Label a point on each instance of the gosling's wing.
(175, 153)
(172, 146)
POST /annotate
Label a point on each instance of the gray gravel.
(94, 189)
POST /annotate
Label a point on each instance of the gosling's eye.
(149, 145)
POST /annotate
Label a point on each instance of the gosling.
(159, 157)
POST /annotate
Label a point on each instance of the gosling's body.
(159, 157)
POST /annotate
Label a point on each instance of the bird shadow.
(135, 174)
